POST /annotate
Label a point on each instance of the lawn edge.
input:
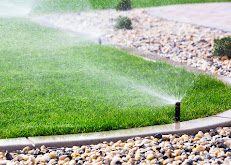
(186, 127)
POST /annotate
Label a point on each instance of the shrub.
(123, 22)
(124, 5)
(222, 47)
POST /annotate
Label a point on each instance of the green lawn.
(52, 83)
(76, 5)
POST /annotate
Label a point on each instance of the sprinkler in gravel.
(99, 41)
(177, 112)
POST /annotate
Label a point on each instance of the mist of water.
(70, 26)
(15, 8)
(23, 8)
(156, 93)
(153, 91)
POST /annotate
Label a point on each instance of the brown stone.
(62, 157)
(224, 58)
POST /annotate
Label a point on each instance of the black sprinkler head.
(177, 112)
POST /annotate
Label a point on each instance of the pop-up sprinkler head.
(99, 41)
(177, 112)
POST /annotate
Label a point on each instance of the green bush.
(124, 5)
(123, 22)
(222, 47)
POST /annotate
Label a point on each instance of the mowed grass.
(52, 83)
(78, 5)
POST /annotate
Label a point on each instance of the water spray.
(14, 9)
(177, 112)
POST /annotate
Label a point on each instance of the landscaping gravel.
(182, 42)
(212, 147)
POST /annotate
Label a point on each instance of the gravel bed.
(212, 147)
(177, 41)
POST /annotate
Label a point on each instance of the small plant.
(123, 22)
(222, 47)
(124, 5)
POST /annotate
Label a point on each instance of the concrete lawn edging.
(185, 127)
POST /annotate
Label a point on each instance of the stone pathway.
(214, 15)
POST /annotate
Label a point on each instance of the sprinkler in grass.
(177, 112)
